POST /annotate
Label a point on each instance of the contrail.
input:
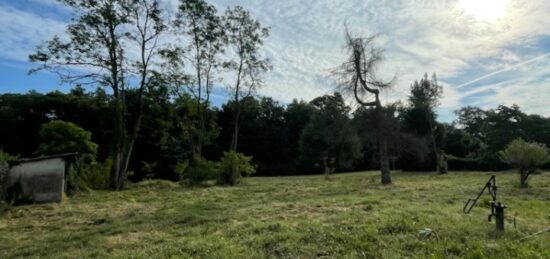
(504, 70)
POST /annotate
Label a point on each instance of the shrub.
(65, 137)
(526, 157)
(198, 170)
(60, 137)
(88, 174)
(96, 175)
(234, 166)
(5, 159)
(180, 169)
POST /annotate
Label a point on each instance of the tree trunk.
(235, 138)
(385, 172)
(524, 175)
(432, 139)
(119, 138)
(128, 151)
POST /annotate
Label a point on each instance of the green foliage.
(96, 175)
(234, 166)
(5, 158)
(329, 134)
(426, 93)
(60, 137)
(180, 169)
(88, 174)
(199, 170)
(526, 157)
(419, 119)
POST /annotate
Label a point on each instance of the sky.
(485, 52)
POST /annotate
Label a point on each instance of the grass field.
(350, 216)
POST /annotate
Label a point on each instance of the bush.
(526, 157)
(95, 175)
(5, 157)
(60, 137)
(88, 174)
(198, 170)
(234, 166)
(180, 169)
(5, 160)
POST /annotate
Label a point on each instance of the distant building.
(39, 180)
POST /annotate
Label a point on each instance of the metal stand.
(497, 208)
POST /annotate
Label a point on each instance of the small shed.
(39, 180)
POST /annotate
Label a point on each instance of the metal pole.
(499, 216)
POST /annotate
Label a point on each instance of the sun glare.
(485, 10)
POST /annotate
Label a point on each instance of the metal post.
(499, 216)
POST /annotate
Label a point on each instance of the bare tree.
(95, 54)
(358, 78)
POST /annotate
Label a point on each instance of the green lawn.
(350, 216)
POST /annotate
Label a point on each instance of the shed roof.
(64, 156)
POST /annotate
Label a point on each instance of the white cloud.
(307, 39)
(22, 31)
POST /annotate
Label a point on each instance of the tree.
(358, 78)
(402, 145)
(59, 137)
(420, 116)
(329, 138)
(526, 157)
(95, 54)
(264, 136)
(297, 116)
(198, 20)
(245, 36)
(471, 119)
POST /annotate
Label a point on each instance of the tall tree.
(420, 115)
(329, 140)
(358, 78)
(401, 144)
(297, 117)
(245, 36)
(95, 54)
(199, 20)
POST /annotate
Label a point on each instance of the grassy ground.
(293, 217)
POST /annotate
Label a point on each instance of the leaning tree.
(357, 76)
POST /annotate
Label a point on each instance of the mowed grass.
(349, 216)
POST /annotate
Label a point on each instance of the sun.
(485, 10)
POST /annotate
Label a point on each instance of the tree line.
(296, 138)
(152, 114)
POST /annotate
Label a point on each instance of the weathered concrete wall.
(39, 181)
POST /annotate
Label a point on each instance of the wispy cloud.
(469, 55)
(23, 30)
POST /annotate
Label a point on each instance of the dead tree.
(358, 78)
